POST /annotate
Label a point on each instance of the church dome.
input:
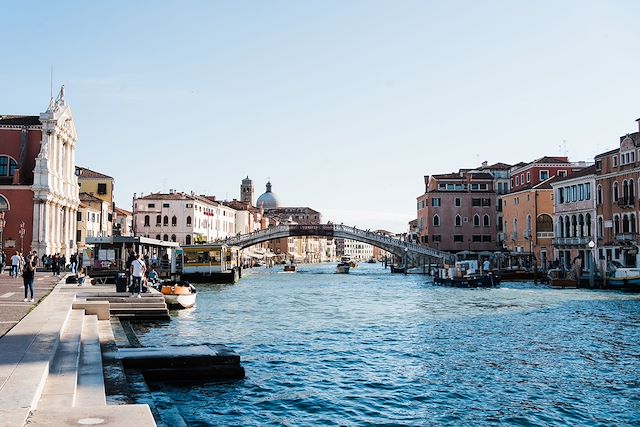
(267, 200)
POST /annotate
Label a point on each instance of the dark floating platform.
(188, 363)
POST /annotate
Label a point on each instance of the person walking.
(28, 274)
(137, 270)
(3, 262)
(15, 264)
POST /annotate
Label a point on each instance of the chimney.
(484, 164)
(638, 120)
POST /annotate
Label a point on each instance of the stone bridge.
(416, 254)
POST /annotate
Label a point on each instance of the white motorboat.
(178, 294)
(344, 265)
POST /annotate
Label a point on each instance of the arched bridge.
(394, 246)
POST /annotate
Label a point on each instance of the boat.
(371, 260)
(290, 268)
(343, 266)
(625, 279)
(466, 274)
(353, 264)
(561, 279)
(397, 269)
(178, 294)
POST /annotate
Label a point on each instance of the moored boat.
(178, 294)
(561, 279)
(625, 279)
(465, 274)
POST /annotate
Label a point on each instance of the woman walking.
(27, 275)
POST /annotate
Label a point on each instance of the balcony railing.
(571, 241)
(626, 202)
(627, 237)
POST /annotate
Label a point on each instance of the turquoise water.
(371, 348)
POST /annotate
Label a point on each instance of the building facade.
(100, 186)
(457, 212)
(617, 187)
(574, 214)
(38, 187)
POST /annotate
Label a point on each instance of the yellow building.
(101, 187)
(528, 224)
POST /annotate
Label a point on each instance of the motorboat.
(561, 279)
(466, 274)
(344, 265)
(371, 260)
(290, 268)
(627, 279)
(178, 294)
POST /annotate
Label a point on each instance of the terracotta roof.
(86, 197)
(447, 176)
(577, 174)
(8, 120)
(496, 166)
(481, 175)
(88, 173)
(551, 159)
(120, 211)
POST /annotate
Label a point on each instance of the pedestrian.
(74, 263)
(80, 276)
(54, 265)
(3, 262)
(28, 272)
(137, 270)
(15, 264)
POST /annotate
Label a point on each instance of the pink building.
(458, 212)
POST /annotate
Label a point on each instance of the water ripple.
(370, 348)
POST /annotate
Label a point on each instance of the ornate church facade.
(39, 193)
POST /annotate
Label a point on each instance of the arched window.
(187, 239)
(158, 219)
(599, 195)
(174, 221)
(561, 227)
(544, 224)
(476, 220)
(173, 237)
(580, 226)
(4, 204)
(158, 237)
(600, 227)
(567, 226)
(625, 223)
(146, 221)
(615, 191)
(587, 222)
(632, 198)
(625, 191)
(515, 229)
(529, 225)
(458, 221)
(486, 221)
(574, 226)
(165, 238)
(436, 221)
(616, 224)
(632, 223)
(189, 220)
(7, 166)
(165, 220)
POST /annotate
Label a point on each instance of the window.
(528, 176)
(517, 180)
(78, 235)
(146, 221)
(189, 220)
(102, 188)
(7, 166)
(458, 221)
(615, 191)
(544, 175)
(189, 205)
(173, 237)
(458, 202)
(562, 173)
(435, 201)
(158, 237)
(486, 202)
(79, 218)
(476, 220)
(615, 160)
(458, 238)
(165, 220)
(436, 221)
(151, 205)
(485, 221)
(165, 238)
(174, 221)
(599, 195)
(165, 205)
(187, 239)
(476, 202)
(476, 238)
(486, 238)
(437, 238)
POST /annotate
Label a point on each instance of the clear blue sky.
(344, 104)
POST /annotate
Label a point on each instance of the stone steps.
(90, 390)
(60, 386)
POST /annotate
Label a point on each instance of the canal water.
(371, 348)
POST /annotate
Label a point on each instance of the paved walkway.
(12, 306)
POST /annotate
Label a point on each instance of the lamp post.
(592, 245)
(21, 232)
(406, 259)
(2, 224)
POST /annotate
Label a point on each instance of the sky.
(344, 105)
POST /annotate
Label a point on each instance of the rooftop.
(88, 173)
(9, 120)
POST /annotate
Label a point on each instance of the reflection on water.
(371, 348)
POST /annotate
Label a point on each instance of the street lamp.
(2, 224)
(21, 232)
(592, 245)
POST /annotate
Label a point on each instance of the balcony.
(571, 241)
(627, 237)
(626, 202)
(545, 234)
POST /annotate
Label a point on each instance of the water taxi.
(343, 266)
(290, 268)
(465, 274)
(178, 294)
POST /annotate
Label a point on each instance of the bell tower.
(246, 191)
